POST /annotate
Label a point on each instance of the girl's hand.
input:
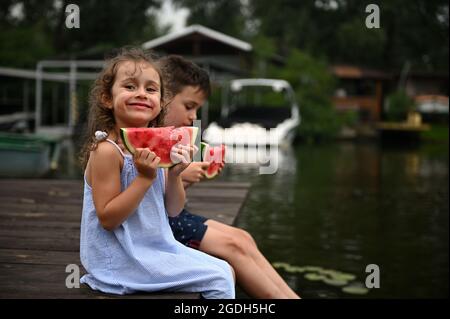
(146, 163)
(183, 155)
(195, 172)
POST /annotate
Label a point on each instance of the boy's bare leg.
(249, 275)
(247, 241)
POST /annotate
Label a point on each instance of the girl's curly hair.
(100, 117)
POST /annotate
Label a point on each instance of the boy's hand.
(195, 172)
(146, 163)
(183, 155)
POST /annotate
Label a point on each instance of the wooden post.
(379, 99)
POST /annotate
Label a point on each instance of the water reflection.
(345, 206)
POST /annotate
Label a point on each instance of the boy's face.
(182, 110)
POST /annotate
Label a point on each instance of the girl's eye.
(129, 87)
(151, 89)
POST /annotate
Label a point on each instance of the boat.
(27, 155)
(257, 112)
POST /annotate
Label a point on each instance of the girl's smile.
(141, 105)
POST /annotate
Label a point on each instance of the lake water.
(342, 207)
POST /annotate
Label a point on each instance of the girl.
(126, 243)
(189, 87)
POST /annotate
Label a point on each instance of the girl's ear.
(106, 101)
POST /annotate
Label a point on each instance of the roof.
(198, 29)
(355, 72)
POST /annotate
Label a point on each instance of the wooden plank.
(38, 224)
(222, 212)
(42, 257)
(40, 228)
(72, 184)
(6, 206)
(220, 185)
(30, 291)
(211, 192)
(34, 233)
(42, 243)
(44, 216)
(31, 281)
(39, 183)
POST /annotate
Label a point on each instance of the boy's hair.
(179, 72)
(101, 118)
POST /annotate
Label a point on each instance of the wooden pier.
(40, 229)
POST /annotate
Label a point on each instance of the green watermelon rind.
(126, 142)
(132, 150)
(203, 148)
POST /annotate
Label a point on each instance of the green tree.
(398, 105)
(264, 50)
(40, 31)
(23, 46)
(314, 85)
(221, 15)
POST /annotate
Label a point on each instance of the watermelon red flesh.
(159, 140)
(216, 157)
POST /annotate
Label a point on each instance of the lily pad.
(313, 268)
(282, 265)
(316, 273)
(288, 268)
(342, 276)
(314, 277)
(355, 289)
(335, 282)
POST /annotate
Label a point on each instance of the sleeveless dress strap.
(117, 146)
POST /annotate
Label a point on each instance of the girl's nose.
(141, 92)
(193, 116)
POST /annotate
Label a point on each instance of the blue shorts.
(188, 228)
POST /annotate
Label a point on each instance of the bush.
(398, 104)
(319, 122)
(314, 85)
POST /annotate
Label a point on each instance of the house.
(225, 57)
(426, 83)
(361, 90)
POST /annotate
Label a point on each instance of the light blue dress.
(142, 253)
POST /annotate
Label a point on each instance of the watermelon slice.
(159, 140)
(215, 155)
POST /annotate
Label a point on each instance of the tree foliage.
(222, 15)
(410, 30)
(313, 85)
(39, 30)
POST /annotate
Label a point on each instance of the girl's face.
(136, 94)
(182, 110)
